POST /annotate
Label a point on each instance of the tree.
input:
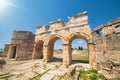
(80, 48)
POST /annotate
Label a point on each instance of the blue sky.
(27, 14)
(78, 42)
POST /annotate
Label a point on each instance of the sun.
(4, 4)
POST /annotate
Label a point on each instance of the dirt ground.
(37, 69)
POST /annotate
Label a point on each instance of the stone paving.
(35, 70)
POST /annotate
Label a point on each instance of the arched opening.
(79, 50)
(58, 50)
(38, 52)
(55, 49)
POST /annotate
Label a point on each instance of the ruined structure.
(76, 27)
(106, 39)
(101, 46)
(21, 46)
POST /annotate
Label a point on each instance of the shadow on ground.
(73, 61)
(55, 59)
(80, 61)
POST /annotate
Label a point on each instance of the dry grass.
(76, 54)
(58, 52)
(81, 55)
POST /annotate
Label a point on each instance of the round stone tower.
(21, 46)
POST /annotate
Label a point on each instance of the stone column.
(67, 56)
(91, 55)
(46, 56)
(17, 52)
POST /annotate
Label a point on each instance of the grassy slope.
(83, 55)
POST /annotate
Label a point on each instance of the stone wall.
(106, 39)
(21, 46)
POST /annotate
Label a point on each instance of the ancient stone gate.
(76, 27)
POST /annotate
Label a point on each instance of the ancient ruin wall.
(106, 39)
(21, 46)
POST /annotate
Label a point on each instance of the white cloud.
(80, 42)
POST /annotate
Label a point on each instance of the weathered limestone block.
(71, 71)
(112, 55)
(99, 56)
(58, 24)
(99, 47)
(112, 42)
(81, 19)
(107, 30)
(41, 29)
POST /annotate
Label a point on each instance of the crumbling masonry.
(103, 42)
(21, 46)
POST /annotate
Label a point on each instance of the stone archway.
(49, 47)
(76, 26)
(79, 51)
(75, 36)
(67, 47)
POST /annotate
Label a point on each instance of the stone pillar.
(91, 55)
(9, 52)
(17, 51)
(67, 56)
(46, 56)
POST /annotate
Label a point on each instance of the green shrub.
(93, 71)
(91, 74)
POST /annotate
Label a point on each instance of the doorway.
(14, 51)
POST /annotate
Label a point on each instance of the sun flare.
(4, 4)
